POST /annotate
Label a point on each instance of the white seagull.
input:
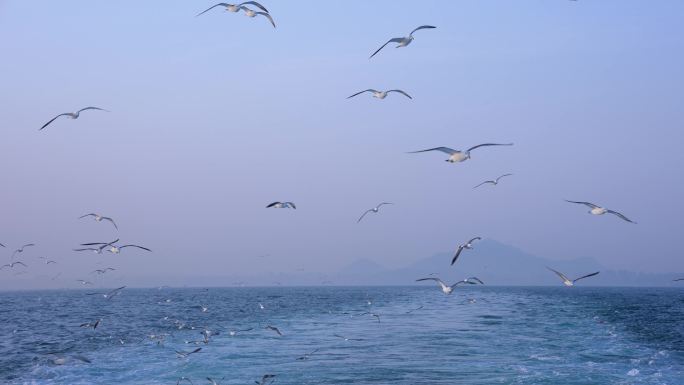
(494, 182)
(403, 41)
(253, 13)
(11, 265)
(233, 333)
(21, 249)
(457, 156)
(380, 94)
(570, 282)
(598, 210)
(449, 289)
(282, 205)
(234, 7)
(99, 218)
(111, 294)
(373, 210)
(72, 115)
(468, 245)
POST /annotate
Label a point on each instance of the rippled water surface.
(478, 335)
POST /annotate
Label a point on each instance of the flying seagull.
(380, 94)
(21, 249)
(266, 379)
(11, 265)
(1, 245)
(234, 7)
(275, 329)
(282, 205)
(494, 182)
(185, 354)
(109, 247)
(102, 271)
(570, 282)
(253, 13)
(111, 294)
(307, 355)
(449, 289)
(47, 261)
(82, 282)
(457, 156)
(184, 379)
(213, 382)
(468, 245)
(403, 41)
(72, 115)
(90, 324)
(373, 210)
(598, 210)
(233, 333)
(99, 218)
(347, 339)
(678, 279)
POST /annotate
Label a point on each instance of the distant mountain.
(497, 264)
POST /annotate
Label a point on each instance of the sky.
(213, 117)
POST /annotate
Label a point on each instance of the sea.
(344, 335)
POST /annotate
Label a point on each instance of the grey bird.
(458, 156)
(373, 210)
(446, 289)
(570, 282)
(493, 182)
(402, 41)
(380, 94)
(598, 210)
(72, 115)
(282, 205)
(467, 246)
(233, 7)
(100, 218)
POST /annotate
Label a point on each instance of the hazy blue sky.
(214, 117)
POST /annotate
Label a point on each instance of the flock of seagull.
(113, 247)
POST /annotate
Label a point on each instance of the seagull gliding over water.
(72, 115)
(598, 210)
(449, 289)
(374, 210)
(234, 7)
(457, 156)
(380, 94)
(468, 245)
(571, 282)
(403, 41)
(494, 182)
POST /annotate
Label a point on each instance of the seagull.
(468, 245)
(275, 329)
(571, 282)
(494, 182)
(282, 205)
(380, 94)
(678, 279)
(2, 245)
(234, 7)
(72, 115)
(253, 13)
(47, 261)
(233, 333)
(21, 249)
(449, 289)
(90, 324)
(373, 210)
(261, 306)
(102, 271)
(185, 354)
(84, 282)
(265, 379)
(110, 294)
(403, 41)
(11, 265)
(184, 379)
(213, 382)
(99, 218)
(457, 156)
(412, 310)
(307, 355)
(598, 210)
(347, 339)
(109, 247)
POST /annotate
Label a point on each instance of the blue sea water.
(478, 335)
